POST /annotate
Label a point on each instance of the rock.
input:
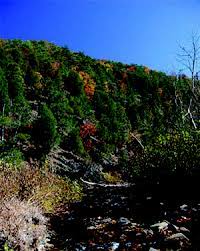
(148, 232)
(138, 234)
(177, 236)
(124, 221)
(134, 225)
(114, 246)
(80, 248)
(161, 225)
(184, 207)
(91, 228)
(107, 220)
(194, 209)
(153, 249)
(183, 229)
(128, 244)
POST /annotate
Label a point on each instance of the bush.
(112, 177)
(11, 158)
(175, 153)
(48, 190)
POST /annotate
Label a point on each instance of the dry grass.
(23, 225)
(26, 195)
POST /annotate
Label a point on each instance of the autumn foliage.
(146, 70)
(86, 130)
(89, 84)
(131, 68)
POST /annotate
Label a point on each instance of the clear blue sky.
(132, 31)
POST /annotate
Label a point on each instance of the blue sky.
(144, 32)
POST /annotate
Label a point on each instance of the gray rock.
(161, 225)
(81, 248)
(114, 246)
(124, 221)
(91, 228)
(148, 232)
(184, 207)
(183, 229)
(106, 220)
(177, 236)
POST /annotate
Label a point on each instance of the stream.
(133, 218)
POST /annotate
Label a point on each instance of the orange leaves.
(146, 70)
(54, 68)
(89, 84)
(106, 64)
(86, 130)
(133, 68)
(89, 90)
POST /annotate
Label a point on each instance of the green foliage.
(174, 153)
(75, 142)
(4, 96)
(11, 158)
(74, 84)
(7, 248)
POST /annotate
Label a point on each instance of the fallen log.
(107, 185)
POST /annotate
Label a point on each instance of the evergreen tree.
(45, 131)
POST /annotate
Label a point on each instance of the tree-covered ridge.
(51, 96)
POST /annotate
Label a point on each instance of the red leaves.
(183, 219)
(86, 130)
(131, 68)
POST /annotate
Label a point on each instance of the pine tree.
(45, 131)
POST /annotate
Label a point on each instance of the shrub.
(174, 153)
(48, 190)
(11, 158)
(112, 177)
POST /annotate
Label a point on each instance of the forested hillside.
(51, 96)
(81, 117)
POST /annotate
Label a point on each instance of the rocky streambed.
(128, 218)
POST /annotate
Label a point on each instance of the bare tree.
(190, 59)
